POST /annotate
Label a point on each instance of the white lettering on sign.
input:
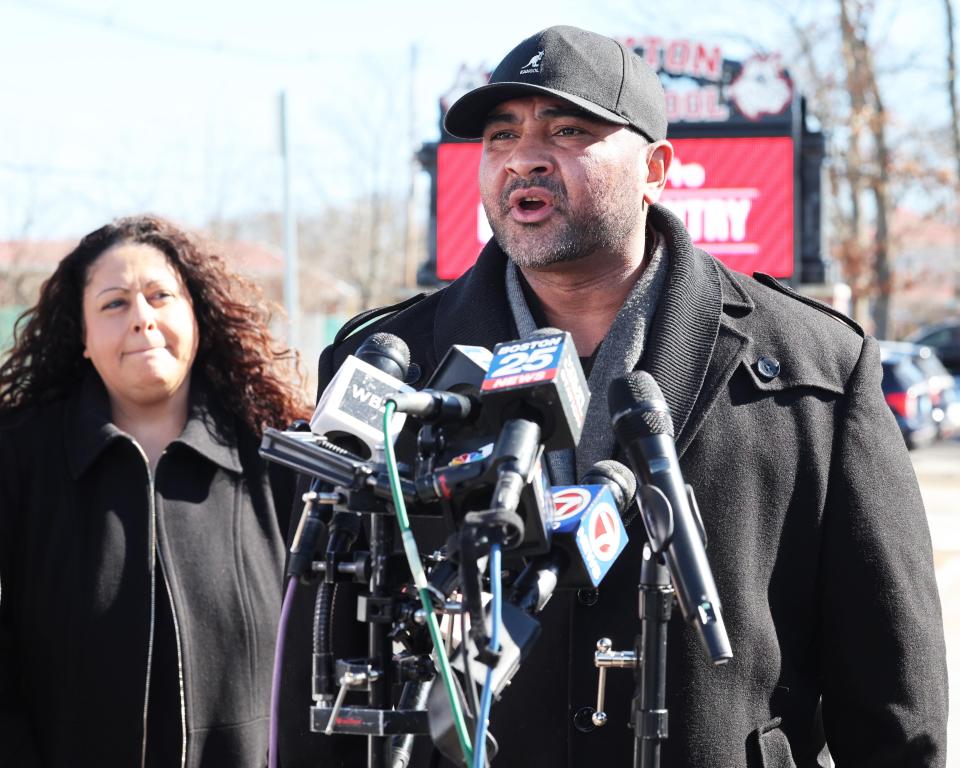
(694, 104)
(523, 346)
(712, 219)
(372, 399)
(683, 174)
(514, 381)
(679, 57)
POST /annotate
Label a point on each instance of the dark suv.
(943, 388)
(944, 337)
(907, 393)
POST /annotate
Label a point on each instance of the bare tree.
(952, 85)
(860, 167)
(869, 116)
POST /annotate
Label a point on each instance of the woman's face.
(140, 332)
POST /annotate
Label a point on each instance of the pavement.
(938, 472)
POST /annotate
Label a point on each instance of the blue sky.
(114, 107)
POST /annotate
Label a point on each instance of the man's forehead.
(543, 107)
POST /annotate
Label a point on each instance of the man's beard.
(607, 225)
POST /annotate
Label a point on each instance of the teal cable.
(420, 580)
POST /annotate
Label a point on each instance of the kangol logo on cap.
(532, 66)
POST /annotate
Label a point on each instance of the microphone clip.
(658, 516)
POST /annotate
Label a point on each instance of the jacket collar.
(89, 429)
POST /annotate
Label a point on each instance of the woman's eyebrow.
(111, 288)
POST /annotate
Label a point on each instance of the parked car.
(944, 337)
(943, 388)
(907, 393)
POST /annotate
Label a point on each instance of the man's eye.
(500, 135)
(569, 131)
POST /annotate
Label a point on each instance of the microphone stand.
(648, 712)
(380, 645)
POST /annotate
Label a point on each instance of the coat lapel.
(691, 351)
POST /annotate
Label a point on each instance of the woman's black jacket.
(116, 580)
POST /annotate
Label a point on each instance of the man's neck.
(584, 297)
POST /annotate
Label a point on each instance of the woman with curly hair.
(141, 534)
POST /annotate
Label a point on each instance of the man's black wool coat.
(817, 540)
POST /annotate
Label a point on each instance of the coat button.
(768, 367)
(583, 719)
(588, 597)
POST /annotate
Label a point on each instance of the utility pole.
(291, 279)
(409, 255)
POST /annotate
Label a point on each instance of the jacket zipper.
(176, 632)
(152, 524)
(152, 557)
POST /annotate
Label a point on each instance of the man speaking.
(816, 532)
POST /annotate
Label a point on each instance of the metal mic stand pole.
(381, 647)
(648, 711)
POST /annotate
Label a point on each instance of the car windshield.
(938, 338)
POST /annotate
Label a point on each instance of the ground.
(938, 470)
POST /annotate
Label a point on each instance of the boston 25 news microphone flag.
(644, 428)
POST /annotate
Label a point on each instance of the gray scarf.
(618, 354)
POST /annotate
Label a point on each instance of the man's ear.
(659, 157)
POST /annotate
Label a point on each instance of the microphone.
(462, 369)
(588, 536)
(539, 379)
(535, 394)
(350, 410)
(451, 393)
(434, 405)
(644, 428)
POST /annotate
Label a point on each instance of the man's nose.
(530, 157)
(143, 315)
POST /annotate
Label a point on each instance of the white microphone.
(350, 411)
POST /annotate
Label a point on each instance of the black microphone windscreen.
(387, 353)
(612, 472)
(638, 396)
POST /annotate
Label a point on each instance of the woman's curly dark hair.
(237, 356)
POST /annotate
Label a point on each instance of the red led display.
(735, 196)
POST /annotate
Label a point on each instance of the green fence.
(8, 316)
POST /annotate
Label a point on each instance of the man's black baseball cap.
(596, 73)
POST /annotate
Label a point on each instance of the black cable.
(322, 648)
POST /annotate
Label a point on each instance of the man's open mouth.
(528, 203)
(531, 203)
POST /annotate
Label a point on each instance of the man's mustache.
(554, 187)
